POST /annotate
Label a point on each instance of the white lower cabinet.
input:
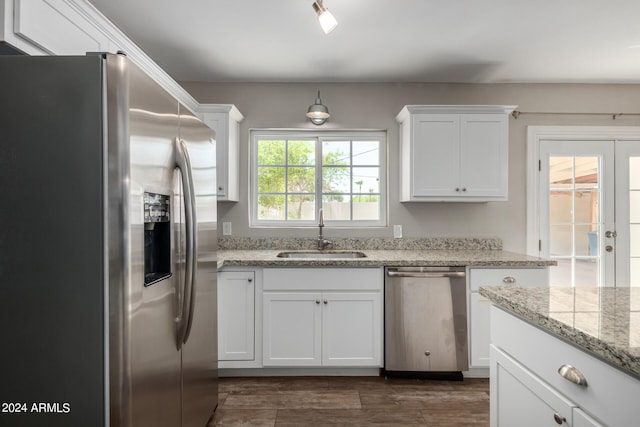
(527, 388)
(582, 419)
(322, 317)
(292, 329)
(522, 399)
(478, 315)
(236, 315)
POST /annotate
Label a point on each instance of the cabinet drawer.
(325, 279)
(610, 395)
(508, 276)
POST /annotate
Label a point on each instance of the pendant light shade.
(327, 21)
(317, 112)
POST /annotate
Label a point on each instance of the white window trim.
(536, 134)
(352, 134)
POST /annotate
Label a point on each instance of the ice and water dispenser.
(157, 237)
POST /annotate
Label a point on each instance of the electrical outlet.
(226, 229)
(397, 231)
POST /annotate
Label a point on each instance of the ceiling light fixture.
(325, 18)
(317, 112)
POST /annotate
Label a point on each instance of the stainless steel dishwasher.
(425, 322)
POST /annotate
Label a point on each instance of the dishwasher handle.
(391, 272)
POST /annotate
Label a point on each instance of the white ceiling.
(473, 41)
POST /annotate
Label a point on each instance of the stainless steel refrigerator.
(107, 248)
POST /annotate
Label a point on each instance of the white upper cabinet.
(75, 27)
(454, 153)
(225, 120)
(54, 27)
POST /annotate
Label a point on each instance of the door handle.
(394, 273)
(183, 164)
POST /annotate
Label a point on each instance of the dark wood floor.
(352, 401)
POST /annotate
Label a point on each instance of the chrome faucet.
(322, 242)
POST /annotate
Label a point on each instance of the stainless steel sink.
(322, 255)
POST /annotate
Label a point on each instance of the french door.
(589, 212)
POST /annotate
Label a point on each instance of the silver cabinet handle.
(317, 301)
(570, 373)
(326, 302)
(509, 279)
(559, 419)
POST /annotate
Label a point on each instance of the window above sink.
(295, 173)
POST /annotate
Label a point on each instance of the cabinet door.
(581, 419)
(236, 308)
(292, 329)
(56, 28)
(479, 331)
(519, 398)
(484, 155)
(435, 155)
(225, 120)
(479, 337)
(352, 329)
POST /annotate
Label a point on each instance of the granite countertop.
(602, 321)
(383, 258)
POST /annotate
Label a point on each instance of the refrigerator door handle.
(186, 313)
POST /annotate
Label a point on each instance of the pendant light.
(318, 113)
(327, 21)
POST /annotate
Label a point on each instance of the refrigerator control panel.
(157, 238)
(156, 207)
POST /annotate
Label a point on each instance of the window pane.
(634, 277)
(366, 153)
(634, 173)
(271, 180)
(634, 206)
(301, 208)
(366, 180)
(634, 235)
(336, 207)
(560, 173)
(587, 272)
(271, 152)
(301, 180)
(583, 247)
(560, 206)
(271, 207)
(366, 207)
(561, 240)
(335, 180)
(336, 153)
(301, 153)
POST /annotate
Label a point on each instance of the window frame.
(319, 136)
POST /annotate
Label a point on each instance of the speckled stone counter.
(602, 321)
(384, 258)
(380, 252)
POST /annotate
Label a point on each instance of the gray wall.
(375, 106)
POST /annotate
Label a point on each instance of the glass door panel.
(573, 220)
(627, 213)
(573, 180)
